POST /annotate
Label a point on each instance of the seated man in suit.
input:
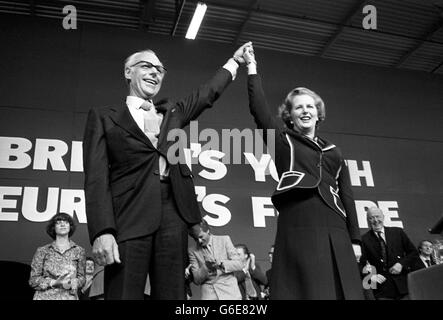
(251, 278)
(213, 261)
(425, 258)
(390, 253)
(139, 201)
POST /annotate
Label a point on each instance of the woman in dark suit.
(317, 224)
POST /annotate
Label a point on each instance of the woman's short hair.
(284, 111)
(244, 247)
(50, 228)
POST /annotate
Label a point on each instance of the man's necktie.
(428, 262)
(207, 252)
(249, 286)
(383, 248)
(152, 122)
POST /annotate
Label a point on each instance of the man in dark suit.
(425, 258)
(251, 278)
(390, 253)
(268, 274)
(139, 203)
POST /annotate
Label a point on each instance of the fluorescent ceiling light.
(199, 13)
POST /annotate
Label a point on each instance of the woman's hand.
(60, 282)
(239, 53)
(248, 55)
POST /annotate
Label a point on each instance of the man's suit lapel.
(123, 119)
(390, 241)
(163, 107)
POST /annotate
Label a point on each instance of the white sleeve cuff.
(252, 68)
(232, 67)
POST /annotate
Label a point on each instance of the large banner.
(389, 134)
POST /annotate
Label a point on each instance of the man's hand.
(396, 268)
(188, 271)
(105, 250)
(357, 251)
(238, 55)
(378, 278)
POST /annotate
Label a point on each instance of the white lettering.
(260, 211)
(50, 150)
(210, 205)
(72, 201)
(13, 153)
(30, 201)
(387, 208)
(77, 156)
(206, 160)
(9, 203)
(361, 206)
(356, 174)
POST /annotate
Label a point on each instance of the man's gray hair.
(129, 61)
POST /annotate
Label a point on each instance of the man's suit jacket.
(399, 249)
(418, 263)
(96, 290)
(258, 279)
(122, 185)
(223, 284)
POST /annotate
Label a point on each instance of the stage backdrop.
(386, 121)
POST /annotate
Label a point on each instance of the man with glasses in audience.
(139, 204)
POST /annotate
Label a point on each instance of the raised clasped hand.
(238, 54)
(248, 54)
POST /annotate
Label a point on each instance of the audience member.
(251, 278)
(425, 258)
(390, 252)
(96, 291)
(58, 268)
(213, 261)
(266, 292)
(83, 293)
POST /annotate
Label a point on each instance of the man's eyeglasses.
(60, 222)
(147, 65)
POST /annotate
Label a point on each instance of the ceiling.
(409, 33)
